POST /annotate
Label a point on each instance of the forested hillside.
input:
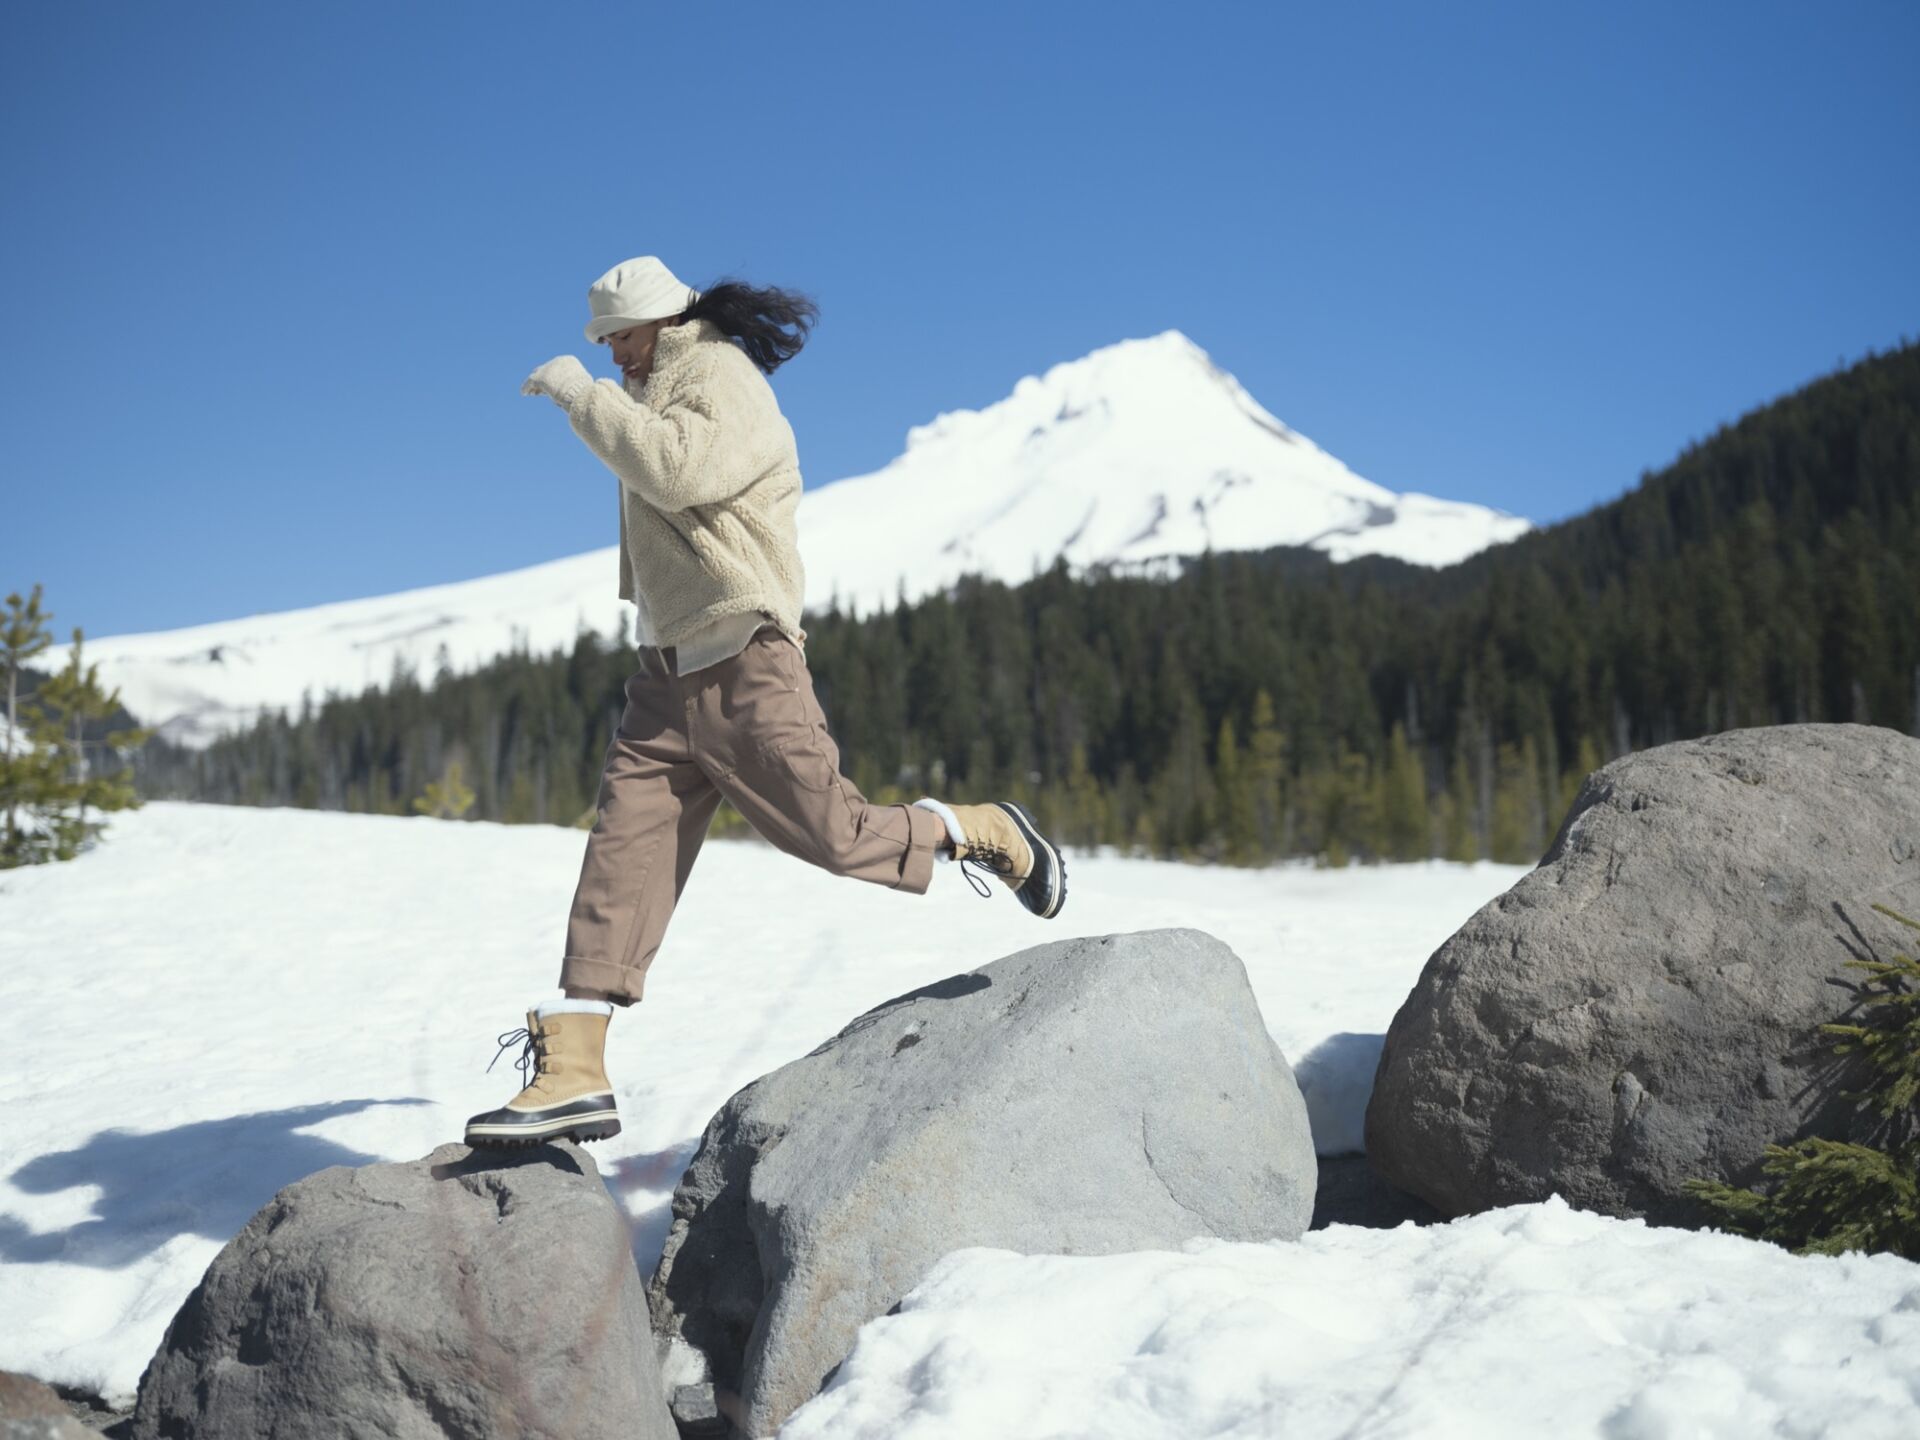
(1272, 703)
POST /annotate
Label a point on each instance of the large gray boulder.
(30, 1410)
(1087, 1096)
(466, 1294)
(1644, 1006)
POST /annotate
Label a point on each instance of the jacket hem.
(683, 626)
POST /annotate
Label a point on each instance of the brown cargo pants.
(748, 729)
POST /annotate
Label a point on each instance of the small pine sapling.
(1832, 1196)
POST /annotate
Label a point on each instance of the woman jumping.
(722, 706)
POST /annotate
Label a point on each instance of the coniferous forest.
(1267, 704)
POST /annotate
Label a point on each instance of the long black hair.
(759, 318)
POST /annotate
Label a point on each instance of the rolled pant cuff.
(916, 866)
(622, 986)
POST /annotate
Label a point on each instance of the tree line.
(62, 746)
(1267, 704)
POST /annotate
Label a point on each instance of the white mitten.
(561, 379)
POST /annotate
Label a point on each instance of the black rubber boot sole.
(580, 1135)
(592, 1118)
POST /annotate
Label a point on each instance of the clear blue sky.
(272, 275)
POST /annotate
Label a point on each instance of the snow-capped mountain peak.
(1126, 374)
(1138, 451)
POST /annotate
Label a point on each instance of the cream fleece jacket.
(709, 482)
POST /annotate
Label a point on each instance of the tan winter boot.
(567, 1091)
(1001, 838)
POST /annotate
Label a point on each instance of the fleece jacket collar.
(673, 347)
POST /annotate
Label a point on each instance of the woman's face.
(633, 348)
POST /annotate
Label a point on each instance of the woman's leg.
(763, 738)
(655, 805)
(759, 729)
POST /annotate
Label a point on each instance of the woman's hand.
(561, 380)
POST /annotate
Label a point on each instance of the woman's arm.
(692, 451)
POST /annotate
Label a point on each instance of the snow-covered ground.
(1535, 1322)
(219, 1000)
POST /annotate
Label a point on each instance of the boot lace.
(997, 862)
(529, 1063)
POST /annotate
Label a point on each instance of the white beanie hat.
(633, 292)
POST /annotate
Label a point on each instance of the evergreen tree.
(1460, 838)
(31, 765)
(1087, 807)
(1585, 762)
(1515, 828)
(447, 798)
(1266, 775)
(1341, 809)
(1235, 801)
(1831, 1196)
(74, 700)
(1404, 821)
(1184, 796)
